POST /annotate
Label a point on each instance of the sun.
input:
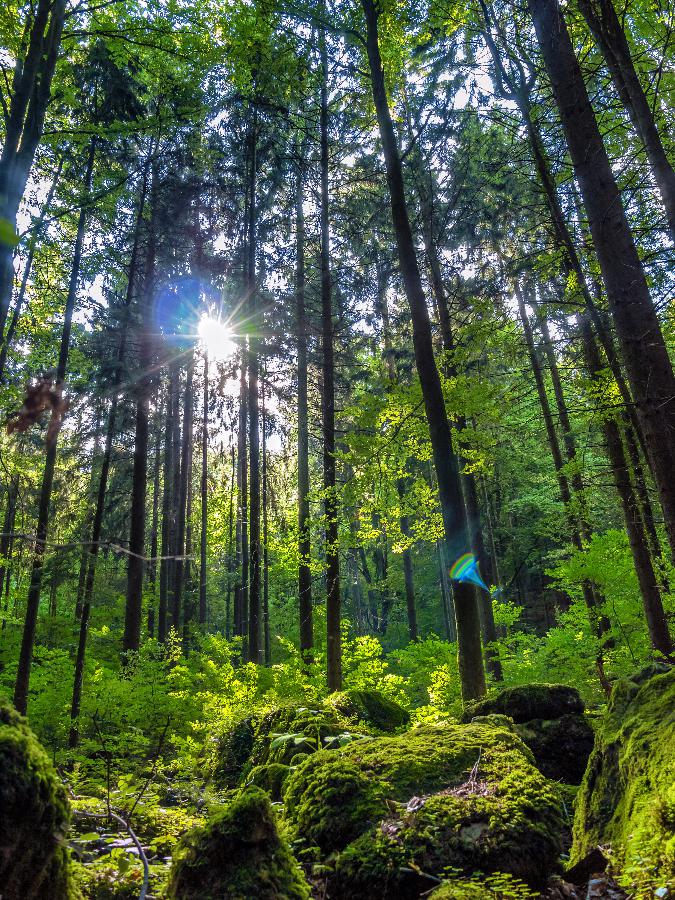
(216, 338)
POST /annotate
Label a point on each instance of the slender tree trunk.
(203, 537)
(611, 38)
(24, 123)
(38, 230)
(6, 536)
(241, 620)
(167, 503)
(181, 516)
(265, 559)
(154, 535)
(333, 597)
(304, 539)
(97, 524)
(642, 344)
(471, 670)
(136, 566)
(35, 586)
(231, 546)
(253, 410)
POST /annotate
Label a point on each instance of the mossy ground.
(34, 817)
(627, 797)
(238, 854)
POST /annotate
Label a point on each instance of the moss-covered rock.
(34, 816)
(239, 854)
(463, 796)
(627, 797)
(528, 701)
(499, 815)
(550, 719)
(270, 778)
(370, 707)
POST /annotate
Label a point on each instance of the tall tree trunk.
(231, 546)
(241, 590)
(154, 533)
(6, 536)
(167, 503)
(97, 524)
(304, 539)
(333, 597)
(33, 602)
(253, 410)
(136, 566)
(181, 513)
(642, 344)
(31, 89)
(611, 38)
(265, 559)
(203, 537)
(471, 670)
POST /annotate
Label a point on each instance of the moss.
(627, 798)
(464, 796)
(270, 778)
(333, 801)
(529, 701)
(239, 854)
(34, 862)
(370, 707)
(289, 730)
(501, 816)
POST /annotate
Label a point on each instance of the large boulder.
(627, 797)
(238, 855)
(550, 720)
(399, 811)
(34, 817)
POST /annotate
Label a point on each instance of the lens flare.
(216, 338)
(466, 569)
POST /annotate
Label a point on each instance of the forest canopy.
(336, 347)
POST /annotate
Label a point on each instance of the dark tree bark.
(253, 407)
(642, 344)
(24, 123)
(203, 537)
(154, 533)
(231, 545)
(99, 511)
(304, 539)
(241, 588)
(265, 561)
(178, 611)
(471, 670)
(137, 562)
(167, 503)
(611, 38)
(33, 602)
(333, 597)
(6, 536)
